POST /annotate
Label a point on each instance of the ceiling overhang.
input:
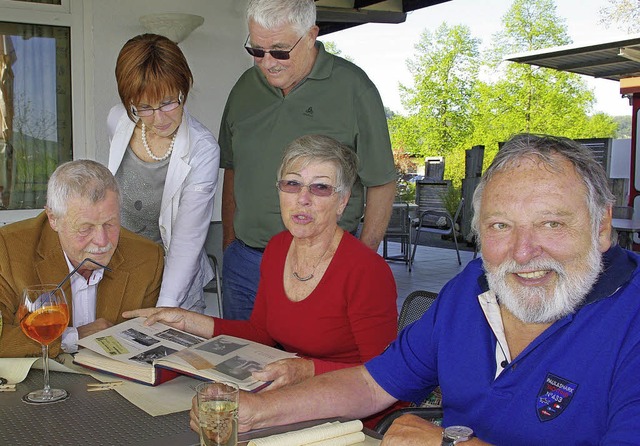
(614, 60)
(335, 15)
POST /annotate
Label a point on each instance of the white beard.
(533, 305)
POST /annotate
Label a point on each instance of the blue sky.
(382, 49)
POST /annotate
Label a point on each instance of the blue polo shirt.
(577, 383)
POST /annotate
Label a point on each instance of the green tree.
(331, 47)
(528, 98)
(388, 112)
(529, 25)
(624, 126)
(444, 70)
(451, 107)
(444, 73)
(623, 13)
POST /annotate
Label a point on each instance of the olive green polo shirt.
(336, 99)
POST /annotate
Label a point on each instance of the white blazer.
(186, 208)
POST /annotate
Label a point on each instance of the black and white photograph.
(139, 337)
(239, 367)
(151, 355)
(221, 346)
(179, 337)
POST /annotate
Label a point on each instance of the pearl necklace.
(149, 152)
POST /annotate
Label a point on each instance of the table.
(626, 228)
(99, 418)
(85, 418)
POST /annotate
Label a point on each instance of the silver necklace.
(302, 279)
(149, 152)
(311, 276)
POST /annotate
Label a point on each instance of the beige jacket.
(30, 254)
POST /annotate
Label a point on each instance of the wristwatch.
(456, 434)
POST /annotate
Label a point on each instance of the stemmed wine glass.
(43, 316)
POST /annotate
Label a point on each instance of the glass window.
(35, 110)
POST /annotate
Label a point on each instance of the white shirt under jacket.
(186, 208)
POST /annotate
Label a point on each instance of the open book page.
(135, 346)
(225, 358)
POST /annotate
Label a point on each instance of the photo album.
(152, 355)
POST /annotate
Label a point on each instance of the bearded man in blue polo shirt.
(536, 343)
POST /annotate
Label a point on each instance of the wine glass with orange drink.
(43, 316)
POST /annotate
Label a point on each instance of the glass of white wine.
(218, 413)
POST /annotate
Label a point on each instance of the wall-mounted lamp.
(175, 26)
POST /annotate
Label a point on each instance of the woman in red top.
(322, 293)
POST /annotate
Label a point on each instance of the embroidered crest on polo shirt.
(309, 112)
(554, 397)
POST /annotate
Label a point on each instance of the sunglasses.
(276, 54)
(164, 108)
(317, 189)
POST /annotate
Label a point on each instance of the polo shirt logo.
(309, 112)
(554, 397)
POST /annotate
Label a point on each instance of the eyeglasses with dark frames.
(276, 54)
(164, 108)
(317, 189)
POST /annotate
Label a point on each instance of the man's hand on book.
(285, 372)
(189, 321)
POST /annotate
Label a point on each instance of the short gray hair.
(271, 14)
(544, 148)
(321, 149)
(79, 179)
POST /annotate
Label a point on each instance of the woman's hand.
(285, 372)
(189, 321)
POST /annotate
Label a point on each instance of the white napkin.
(15, 370)
(343, 440)
(328, 434)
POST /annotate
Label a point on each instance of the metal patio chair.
(399, 228)
(437, 221)
(214, 286)
(413, 307)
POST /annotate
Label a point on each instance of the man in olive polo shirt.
(295, 88)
